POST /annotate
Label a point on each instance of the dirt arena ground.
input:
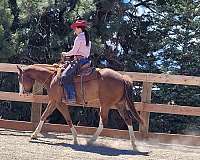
(16, 145)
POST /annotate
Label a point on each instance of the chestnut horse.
(109, 89)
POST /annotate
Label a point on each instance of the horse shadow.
(17, 133)
(11, 132)
(98, 149)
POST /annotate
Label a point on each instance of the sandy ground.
(16, 145)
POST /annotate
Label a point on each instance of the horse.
(108, 89)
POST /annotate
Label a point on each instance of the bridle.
(22, 89)
(36, 91)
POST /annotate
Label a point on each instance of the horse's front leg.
(65, 112)
(50, 108)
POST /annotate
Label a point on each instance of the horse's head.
(25, 81)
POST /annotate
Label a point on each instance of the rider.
(79, 53)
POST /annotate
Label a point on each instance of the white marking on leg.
(132, 136)
(20, 89)
(97, 133)
(37, 130)
(74, 133)
(73, 130)
(39, 127)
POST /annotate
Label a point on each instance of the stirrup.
(71, 101)
(68, 101)
(63, 100)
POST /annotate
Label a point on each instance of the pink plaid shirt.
(79, 47)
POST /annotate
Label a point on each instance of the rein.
(43, 84)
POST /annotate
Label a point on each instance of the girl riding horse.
(80, 53)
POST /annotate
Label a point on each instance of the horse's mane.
(49, 67)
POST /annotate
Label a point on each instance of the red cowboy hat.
(79, 23)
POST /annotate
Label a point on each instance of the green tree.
(7, 40)
(178, 21)
(156, 36)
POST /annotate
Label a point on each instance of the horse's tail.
(128, 94)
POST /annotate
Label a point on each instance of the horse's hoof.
(90, 142)
(75, 141)
(33, 136)
(139, 152)
(135, 149)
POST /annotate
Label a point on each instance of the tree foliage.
(157, 36)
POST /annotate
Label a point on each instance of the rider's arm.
(75, 48)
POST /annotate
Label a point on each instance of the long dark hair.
(87, 36)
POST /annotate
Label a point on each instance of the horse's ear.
(19, 69)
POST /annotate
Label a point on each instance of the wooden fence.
(145, 107)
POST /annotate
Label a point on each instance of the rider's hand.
(64, 54)
(56, 65)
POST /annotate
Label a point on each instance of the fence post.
(36, 108)
(146, 98)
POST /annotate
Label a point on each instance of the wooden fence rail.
(144, 106)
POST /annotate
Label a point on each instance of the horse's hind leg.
(65, 112)
(50, 108)
(102, 122)
(125, 115)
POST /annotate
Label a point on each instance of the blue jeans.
(68, 75)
